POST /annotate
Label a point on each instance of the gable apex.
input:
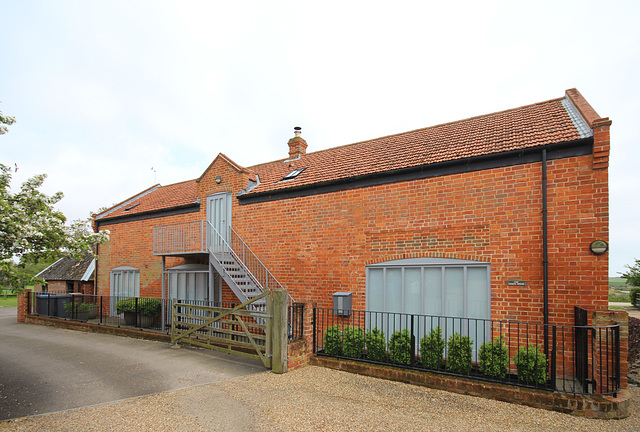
(224, 158)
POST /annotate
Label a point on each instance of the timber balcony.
(180, 238)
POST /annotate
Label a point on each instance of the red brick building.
(486, 217)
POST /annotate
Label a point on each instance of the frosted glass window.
(432, 303)
(453, 288)
(393, 297)
(412, 290)
(454, 292)
(478, 297)
(376, 289)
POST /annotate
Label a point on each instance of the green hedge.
(146, 306)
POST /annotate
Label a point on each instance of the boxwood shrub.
(494, 358)
(400, 347)
(353, 342)
(432, 349)
(531, 363)
(376, 345)
(459, 353)
(332, 341)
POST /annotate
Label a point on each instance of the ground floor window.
(428, 286)
(125, 282)
(452, 294)
(190, 283)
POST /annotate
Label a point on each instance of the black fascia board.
(186, 208)
(580, 147)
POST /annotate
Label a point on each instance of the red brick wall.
(131, 244)
(320, 244)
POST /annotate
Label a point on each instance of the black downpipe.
(545, 253)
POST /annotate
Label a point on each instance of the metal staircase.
(239, 267)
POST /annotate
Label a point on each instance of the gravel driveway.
(315, 399)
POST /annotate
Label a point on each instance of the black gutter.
(186, 208)
(565, 149)
(545, 253)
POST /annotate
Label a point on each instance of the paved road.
(46, 369)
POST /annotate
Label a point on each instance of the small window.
(131, 207)
(293, 174)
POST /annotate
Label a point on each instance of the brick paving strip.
(312, 399)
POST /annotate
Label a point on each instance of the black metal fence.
(578, 359)
(136, 312)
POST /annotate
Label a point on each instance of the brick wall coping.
(97, 328)
(602, 407)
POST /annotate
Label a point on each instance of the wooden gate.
(252, 329)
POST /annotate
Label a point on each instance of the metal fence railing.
(492, 350)
(134, 312)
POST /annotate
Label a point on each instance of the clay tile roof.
(554, 121)
(68, 269)
(155, 198)
(525, 127)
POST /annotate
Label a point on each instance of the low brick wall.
(603, 407)
(96, 328)
(300, 351)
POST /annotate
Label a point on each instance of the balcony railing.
(180, 238)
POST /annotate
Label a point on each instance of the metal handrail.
(241, 254)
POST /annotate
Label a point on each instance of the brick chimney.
(297, 144)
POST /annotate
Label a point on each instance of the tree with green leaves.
(633, 274)
(31, 230)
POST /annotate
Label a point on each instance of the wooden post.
(268, 349)
(279, 333)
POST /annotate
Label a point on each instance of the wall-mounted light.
(218, 179)
(599, 247)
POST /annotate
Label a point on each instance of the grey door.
(219, 216)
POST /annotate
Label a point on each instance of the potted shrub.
(79, 311)
(93, 310)
(139, 311)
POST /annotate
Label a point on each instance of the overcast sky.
(103, 91)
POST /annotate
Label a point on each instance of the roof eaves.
(581, 146)
(126, 202)
(87, 274)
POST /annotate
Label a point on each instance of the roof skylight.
(293, 174)
(131, 207)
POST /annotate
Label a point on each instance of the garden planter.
(137, 320)
(130, 318)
